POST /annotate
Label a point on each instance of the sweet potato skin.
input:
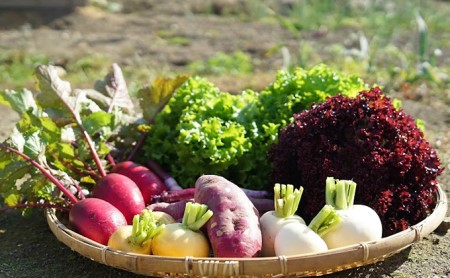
(176, 210)
(234, 229)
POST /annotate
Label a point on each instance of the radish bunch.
(115, 200)
(116, 197)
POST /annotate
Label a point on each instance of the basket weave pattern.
(301, 266)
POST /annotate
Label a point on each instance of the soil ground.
(29, 249)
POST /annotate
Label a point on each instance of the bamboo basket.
(301, 266)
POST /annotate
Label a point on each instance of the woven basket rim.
(317, 264)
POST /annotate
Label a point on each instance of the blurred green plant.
(235, 63)
(107, 5)
(388, 43)
(17, 67)
(86, 69)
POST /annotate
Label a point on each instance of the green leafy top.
(193, 128)
(203, 129)
(64, 131)
(199, 131)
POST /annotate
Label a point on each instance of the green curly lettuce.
(204, 130)
(199, 132)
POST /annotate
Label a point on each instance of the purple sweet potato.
(263, 205)
(176, 209)
(233, 229)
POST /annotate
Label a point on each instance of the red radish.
(148, 182)
(121, 192)
(234, 229)
(96, 219)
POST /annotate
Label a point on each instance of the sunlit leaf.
(153, 98)
(115, 88)
(20, 102)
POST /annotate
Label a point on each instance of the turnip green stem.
(339, 194)
(286, 199)
(144, 228)
(196, 215)
(47, 174)
(325, 220)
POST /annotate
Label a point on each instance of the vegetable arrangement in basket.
(73, 150)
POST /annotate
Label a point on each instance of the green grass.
(381, 41)
(378, 40)
(16, 68)
(237, 63)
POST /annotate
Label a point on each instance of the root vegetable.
(173, 196)
(234, 229)
(148, 182)
(96, 219)
(359, 223)
(136, 238)
(121, 192)
(176, 210)
(296, 238)
(286, 201)
(184, 239)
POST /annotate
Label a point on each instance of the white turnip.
(295, 238)
(286, 201)
(359, 223)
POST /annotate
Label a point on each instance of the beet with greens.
(365, 139)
